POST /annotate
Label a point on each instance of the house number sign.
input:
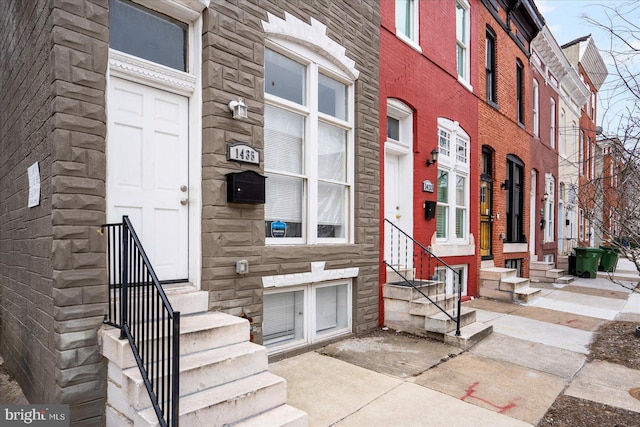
(242, 153)
(427, 186)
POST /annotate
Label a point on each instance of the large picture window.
(515, 200)
(452, 212)
(308, 153)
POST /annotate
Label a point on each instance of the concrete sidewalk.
(536, 353)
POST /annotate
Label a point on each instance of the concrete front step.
(202, 370)
(440, 323)
(554, 273)
(513, 283)
(470, 335)
(405, 292)
(226, 404)
(565, 279)
(526, 294)
(183, 297)
(197, 333)
(497, 273)
(541, 265)
(424, 307)
(282, 416)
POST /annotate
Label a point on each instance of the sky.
(566, 20)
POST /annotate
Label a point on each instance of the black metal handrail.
(405, 253)
(139, 307)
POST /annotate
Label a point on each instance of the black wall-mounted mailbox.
(245, 187)
(429, 209)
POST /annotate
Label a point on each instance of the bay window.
(308, 149)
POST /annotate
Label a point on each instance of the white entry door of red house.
(148, 171)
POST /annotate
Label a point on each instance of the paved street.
(536, 353)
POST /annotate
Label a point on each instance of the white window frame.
(464, 44)
(536, 108)
(315, 65)
(310, 336)
(581, 153)
(451, 163)
(449, 276)
(552, 123)
(412, 39)
(563, 133)
(581, 225)
(549, 207)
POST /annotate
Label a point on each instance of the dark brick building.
(505, 31)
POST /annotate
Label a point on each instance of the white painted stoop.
(546, 272)
(224, 378)
(405, 309)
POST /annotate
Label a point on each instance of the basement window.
(295, 317)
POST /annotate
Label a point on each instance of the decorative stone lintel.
(147, 72)
(317, 274)
(313, 36)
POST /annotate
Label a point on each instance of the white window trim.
(549, 208)
(562, 133)
(450, 276)
(465, 80)
(414, 40)
(315, 64)
(536, 108)
(455, 168)
(310, 336)
(552, 123)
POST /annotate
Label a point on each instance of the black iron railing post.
(175, 376)
(124, 280)
(145, 318)
(459, 303)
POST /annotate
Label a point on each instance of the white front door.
(532, 216)
(148, 170)
(398, 206)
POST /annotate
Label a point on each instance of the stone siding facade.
(233, 66)
(53, 277)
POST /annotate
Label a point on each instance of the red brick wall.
(498, 127)
(427, 81)
(544, 159)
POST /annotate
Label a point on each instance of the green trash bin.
(587, 260)
(609, 259)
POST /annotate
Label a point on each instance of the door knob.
(183, 188)
(398, 216)
(184, 202)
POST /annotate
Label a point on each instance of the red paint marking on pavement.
(470, 393)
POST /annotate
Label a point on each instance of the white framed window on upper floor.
(408, 22)
(552, 123)
(452, 212)
(536, 108)
(463, 40)
(581, 153)
(308, 147)
(562, 133)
